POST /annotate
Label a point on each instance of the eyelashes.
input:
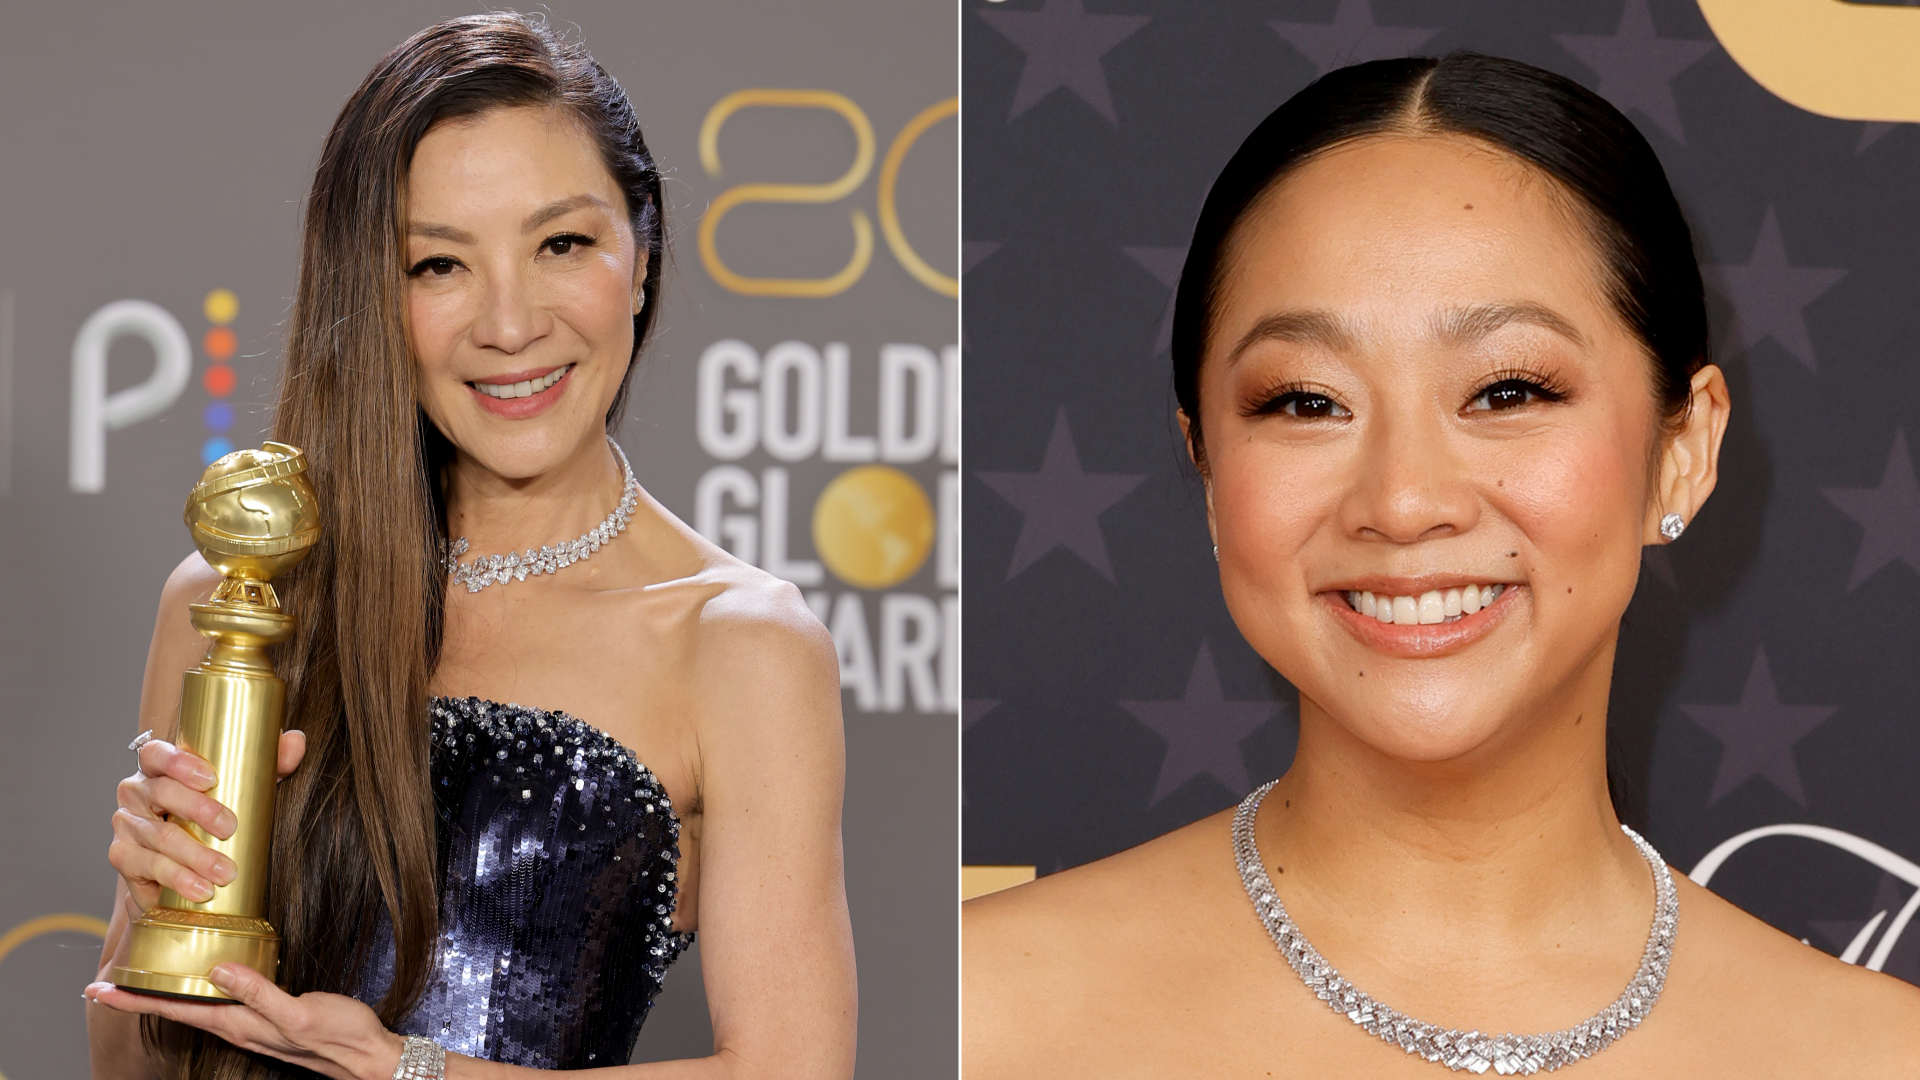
(1503, 391)
(1516, 388)
(437, 265)
(1296, 400)
(560, 244)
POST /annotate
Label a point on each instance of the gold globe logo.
(873, 526)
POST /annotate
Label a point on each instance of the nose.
(510, 316)
(1413, 483)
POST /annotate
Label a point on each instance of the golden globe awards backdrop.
(1765, 731)
(797, 405)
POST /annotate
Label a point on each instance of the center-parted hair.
(1560, 128)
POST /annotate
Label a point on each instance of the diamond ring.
(139, 741)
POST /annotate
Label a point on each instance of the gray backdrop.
(1766, 677)
(158, 152)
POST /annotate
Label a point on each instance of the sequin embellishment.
(557, 850)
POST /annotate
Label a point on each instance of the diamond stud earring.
(1672, 526)
(1216, 553)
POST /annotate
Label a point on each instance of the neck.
(1501, 849)
(498, 514)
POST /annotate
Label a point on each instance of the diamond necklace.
(487, 570)
(1468, 1051)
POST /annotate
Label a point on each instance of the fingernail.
(202, 891)
(203, 777)
(224, 823)
(222, 977)
(224, 872)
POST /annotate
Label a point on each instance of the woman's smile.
(521, 394)
(1412, 622)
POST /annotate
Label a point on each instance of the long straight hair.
(354, 829)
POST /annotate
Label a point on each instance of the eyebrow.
(1455, 328)
(557, 209)
(1465, 326)
(436, 231)
(1305, 327)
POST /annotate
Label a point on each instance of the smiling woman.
(464, 887)
(1440, 353)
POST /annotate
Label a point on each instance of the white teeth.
(523, 388)
(1428, 608)
(1406, 611)
(1432, 608)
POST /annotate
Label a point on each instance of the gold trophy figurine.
(253, 516)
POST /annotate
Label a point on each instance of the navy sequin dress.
(557, 888)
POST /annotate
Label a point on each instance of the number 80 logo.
(837, 283)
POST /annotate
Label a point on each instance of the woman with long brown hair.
(470, 883)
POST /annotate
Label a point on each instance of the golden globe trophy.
(253, 516)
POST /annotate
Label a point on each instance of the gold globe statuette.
(253, 516)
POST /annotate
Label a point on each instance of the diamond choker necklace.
(1464, 1051)
(487, 570)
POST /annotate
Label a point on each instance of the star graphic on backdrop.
(1637, 66)
(1872, 132)
(1757, 735)
(971, 710)
(1062, 504)
(1351, 38)
(1769, 296)
(974, 252)
(1889, 514)
(1164, 263)
(1203, 730)
(1842, 933)
(1064, 45)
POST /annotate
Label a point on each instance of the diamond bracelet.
(422, 1059)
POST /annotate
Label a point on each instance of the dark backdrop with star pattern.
(1767, 672)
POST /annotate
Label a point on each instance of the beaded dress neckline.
(557, 858)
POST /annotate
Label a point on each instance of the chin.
(1419, 723)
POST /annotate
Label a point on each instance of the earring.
(1672, 526)
(1216, 553)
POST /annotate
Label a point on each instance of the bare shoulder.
(1044, 957)
(732, 612)
(176, 645)
(191, 582)
(752, 653)
(1747, 976)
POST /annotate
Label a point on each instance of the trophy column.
(253, 516)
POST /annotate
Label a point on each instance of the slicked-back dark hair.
(1562, 129)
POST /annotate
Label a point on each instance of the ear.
(1199, 466)
(1690, 461)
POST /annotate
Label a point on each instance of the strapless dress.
(556, 863)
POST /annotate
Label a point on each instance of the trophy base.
(170, 952)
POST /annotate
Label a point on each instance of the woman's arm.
(776, 946)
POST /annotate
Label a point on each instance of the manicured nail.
(222, 977)
(224, 872)
(202, 777)
(224, 823)
(201, 891)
